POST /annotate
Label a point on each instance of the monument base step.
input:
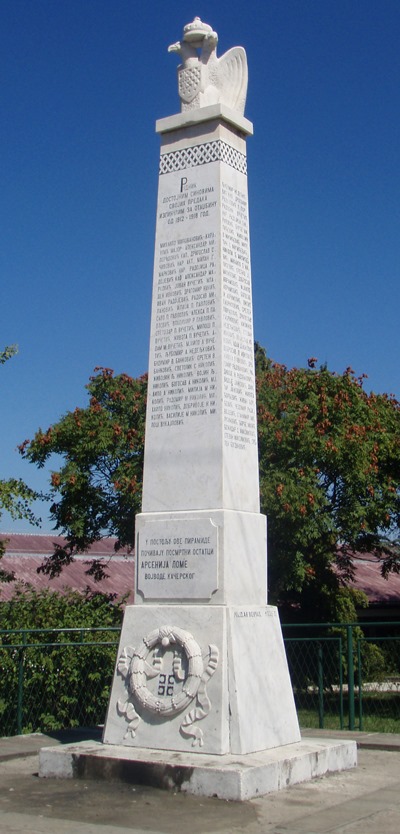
(234, 777)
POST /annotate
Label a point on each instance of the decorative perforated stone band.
(217, 151)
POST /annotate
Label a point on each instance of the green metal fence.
(346, 675)
(55, 679)
(343, 676)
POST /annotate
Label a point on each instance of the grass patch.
(379, 713)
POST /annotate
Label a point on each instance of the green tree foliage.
(47, 609)
(62, 678)
(7, 353)
(97, 491)
(15, 496)
(329, 475)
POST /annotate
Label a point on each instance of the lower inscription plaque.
(177, 559)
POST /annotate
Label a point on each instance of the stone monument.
(202, 663)
(201, 680)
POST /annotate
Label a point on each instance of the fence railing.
(343, 676)
(53, 679)
(346, 675)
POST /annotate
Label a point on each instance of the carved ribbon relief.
(166, 675)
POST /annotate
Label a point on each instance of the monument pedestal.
(211, 678)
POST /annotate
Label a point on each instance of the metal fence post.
(341, 708)
(320, 687)
(350, 676)
(20, 691)
(360, 700)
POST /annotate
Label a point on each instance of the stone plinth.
(226, 777)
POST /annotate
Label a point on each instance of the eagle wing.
(229, 74)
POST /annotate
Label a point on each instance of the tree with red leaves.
(97, 491)
(329, 479)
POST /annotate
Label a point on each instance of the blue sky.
(81, 85)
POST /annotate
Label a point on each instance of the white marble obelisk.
(202, 663)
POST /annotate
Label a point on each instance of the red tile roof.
(26, 552)
(43, 543)
(368, 578)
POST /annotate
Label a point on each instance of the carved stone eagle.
(203, 78)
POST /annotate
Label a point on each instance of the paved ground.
(362, 801)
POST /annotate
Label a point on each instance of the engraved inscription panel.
(183, 359)
(178, 559)
(240, 429)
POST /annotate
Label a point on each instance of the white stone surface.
(244, 705)
(263, 712)
(206, 627)
(227, 777)
(205, 114)
(177, 558)
(201, 432)
(201, 659)
(203, 78)
(201, 460)
(236, 566)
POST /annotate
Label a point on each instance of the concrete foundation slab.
(233, 777)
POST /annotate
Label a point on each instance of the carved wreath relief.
(165, 675)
